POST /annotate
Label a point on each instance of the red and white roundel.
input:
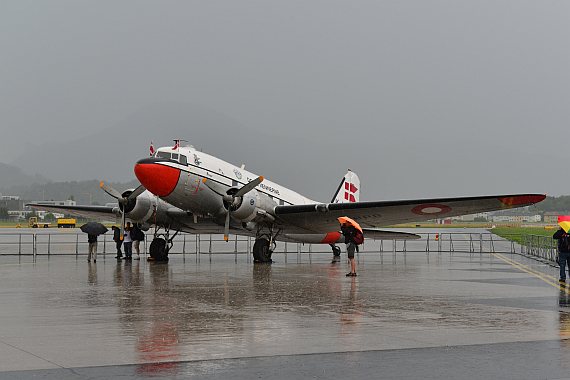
(431, 209)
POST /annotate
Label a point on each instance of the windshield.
(173, 156)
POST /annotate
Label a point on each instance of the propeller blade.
(215, 187)
(249, 186)
(138, 191)
(109, 190)
(227, 227)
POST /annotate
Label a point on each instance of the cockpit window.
(175, 156)
(183, 160)
(163, 154)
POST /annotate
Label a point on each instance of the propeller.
(232, 199)
(123, 201)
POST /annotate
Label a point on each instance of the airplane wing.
(90, 212)
(323, 217)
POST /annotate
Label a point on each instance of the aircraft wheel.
(261, 251)
(158, 250)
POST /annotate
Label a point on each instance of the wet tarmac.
(418, 315)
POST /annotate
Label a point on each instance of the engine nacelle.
(142, 210)
(146, 209)
(246, 210)
(254, 208)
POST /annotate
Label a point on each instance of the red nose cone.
(157, 178)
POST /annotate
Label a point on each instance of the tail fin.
(349, 189)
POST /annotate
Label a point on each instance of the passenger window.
(183, 160)
(281, 202)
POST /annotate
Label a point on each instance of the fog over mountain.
(420, 98)
(408, 168)
(14, 176)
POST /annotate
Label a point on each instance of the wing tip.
(522, 200)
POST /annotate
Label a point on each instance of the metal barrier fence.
(543, 247)
(75, 243)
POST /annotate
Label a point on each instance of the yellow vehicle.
(66, 222)
(33, 222)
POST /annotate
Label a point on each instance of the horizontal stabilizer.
(388, 235)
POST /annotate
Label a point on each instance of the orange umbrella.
(564, 222)
(347, 220)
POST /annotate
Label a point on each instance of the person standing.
(128, 242)
(92, 240)
(349, 232)
(118, 241)
(137, 235)
(563, 252)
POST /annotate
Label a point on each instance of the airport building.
(516, 218)
(11, 202)
(551, 217)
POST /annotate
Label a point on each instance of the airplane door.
(187, 184)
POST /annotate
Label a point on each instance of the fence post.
(199, 244)
(49, 244)
(248, 248)
(76, 245)
(20, 245)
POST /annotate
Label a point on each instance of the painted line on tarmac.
(550, 280)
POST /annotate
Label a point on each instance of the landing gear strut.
(161, 245)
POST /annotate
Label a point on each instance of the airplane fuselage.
(189, 193)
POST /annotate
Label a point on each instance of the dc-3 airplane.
(183, 189)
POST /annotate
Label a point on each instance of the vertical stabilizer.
(349, 189)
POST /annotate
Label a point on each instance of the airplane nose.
(156, 177)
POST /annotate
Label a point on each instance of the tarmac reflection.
(564, 315)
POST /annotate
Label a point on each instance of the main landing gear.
(161, 245)
(264, 246)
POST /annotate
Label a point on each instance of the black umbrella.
(94, 228)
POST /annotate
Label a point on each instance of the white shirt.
(127, 237)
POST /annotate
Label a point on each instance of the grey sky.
(430, 98)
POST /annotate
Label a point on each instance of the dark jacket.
(117, 234)
(348, 232)
(136, 233)
(92, 238)
(560, 235)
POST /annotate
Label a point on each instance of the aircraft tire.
(157, 250)
(261, 251)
